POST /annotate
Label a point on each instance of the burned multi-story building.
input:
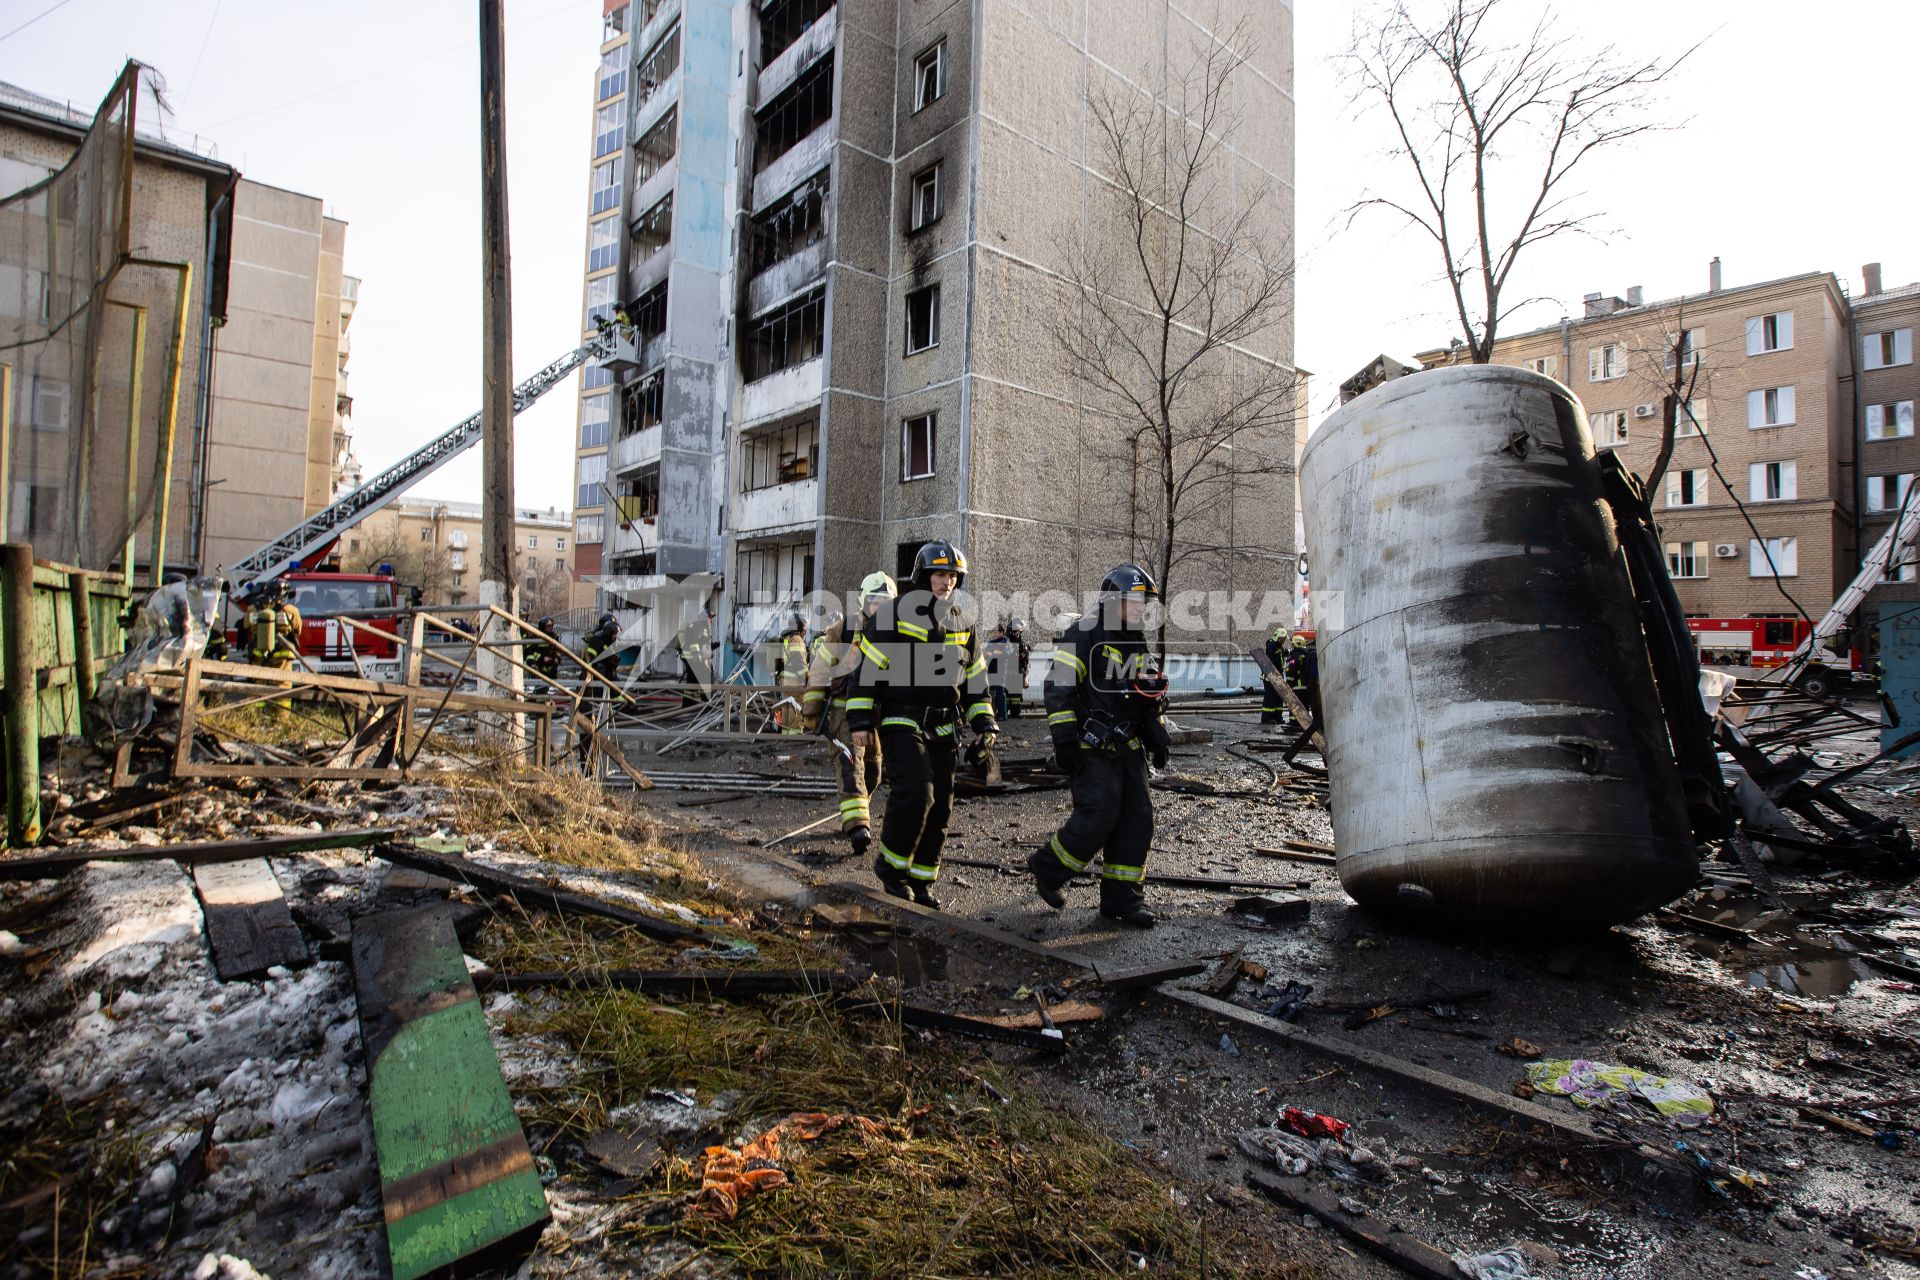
(843, 231)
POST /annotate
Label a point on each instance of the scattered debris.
(1309, 1124)
(1510, 1263)
(1274, 910)
(1590, 1083)
(728, 1175)
(1525, 1050)
(1409, 1253)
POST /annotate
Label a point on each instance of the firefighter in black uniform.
(1106, 704)
(543, 656)
(1273, 710)
(921, 672)
(601, 653)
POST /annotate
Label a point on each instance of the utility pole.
(496, 312)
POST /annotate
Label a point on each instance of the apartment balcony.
(646, 273)
(779, 508)
(643, 537)
(784, 174)
(779, 394)
(649, 106)
(656, 16)
(632, 452)
(648, 193)
(797, 57)
(787, 277)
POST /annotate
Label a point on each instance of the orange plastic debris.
(729, 1177)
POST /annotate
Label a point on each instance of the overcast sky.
(1793, 157)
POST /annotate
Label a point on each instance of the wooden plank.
(1147, 975)
(48, 865)
(1296, 855)
(249, 928)
(1409, 1253)
(531, 893)
(456, 1178)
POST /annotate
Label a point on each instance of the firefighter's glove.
(1161, 757)
(986, 738)
(1066, 754)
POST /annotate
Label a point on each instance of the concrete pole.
(496, 310)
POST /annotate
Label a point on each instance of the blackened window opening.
(797, 111)
(797, 222)
(643, 404)
(649, 314)
(658, 145)
(653, 230)
(658, 67)
(785, 21)
(788, 336)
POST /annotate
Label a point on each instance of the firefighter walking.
(790, 674)
(273, 633)
(831, 673)
(543, 657)
(921, 673)
(1106, 705)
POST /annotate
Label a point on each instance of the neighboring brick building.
(435, 545)
(1883, 400)
(1773, 396)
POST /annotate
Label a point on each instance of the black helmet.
(545, 624)
(607, 620)
(1130, 581)
(938, 554)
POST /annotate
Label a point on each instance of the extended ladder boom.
(1899, 536)
(611, 346)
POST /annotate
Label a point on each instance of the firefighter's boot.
(1125, 903)
(1049, 877)
(923, 894)
(892, 878)
(861, 838)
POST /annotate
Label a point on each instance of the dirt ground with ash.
(1795, 1020)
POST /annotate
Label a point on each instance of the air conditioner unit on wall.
(1727, 550)
(1645, 410)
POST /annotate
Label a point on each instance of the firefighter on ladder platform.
(921, 673)
(830, 677)
(1106, 703)
(273, 632)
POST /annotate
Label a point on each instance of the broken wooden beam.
(249, 928)
(736, 984)
(47, 865)
(457, 1181)
(1410, 1253)
(533, 894)
(1296, 851)
(1147, 975)
(1275, 910)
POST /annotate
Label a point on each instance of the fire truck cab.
(328, 644)
(1765, 643)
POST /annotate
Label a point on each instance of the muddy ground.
(1795, 1020)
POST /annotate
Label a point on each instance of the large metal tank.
(1496, 744)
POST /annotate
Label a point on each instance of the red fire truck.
(1765, 643)
(328, 644)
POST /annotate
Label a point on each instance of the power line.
(195, 73)
(61, 4)
(1713, 458)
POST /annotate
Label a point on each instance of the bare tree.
(1179, 286)
(1491, 133)
(415, 564)
(545, 588)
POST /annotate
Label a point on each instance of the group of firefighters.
(901, 682)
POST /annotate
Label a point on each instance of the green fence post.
(22, 701)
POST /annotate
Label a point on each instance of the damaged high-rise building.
(844, 232)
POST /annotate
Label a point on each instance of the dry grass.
(564, 817)
(65, 1171)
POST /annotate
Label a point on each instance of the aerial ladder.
(614, 347)
(1803, 667)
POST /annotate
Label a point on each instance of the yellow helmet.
(878, 584)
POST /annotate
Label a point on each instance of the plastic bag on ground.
(1502, 1264)
(1589, 1083)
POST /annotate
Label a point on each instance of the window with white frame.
(1606, 363)
(1890, 421)
(1688, 341)
(923, 319)
(1689, 418)
(1687, 559)
(50, 403)
(927, 198)
(609, 128)
(1769, 333)
(1774, 555)
(602, 294)
(596, 419)
(1770, 407)
(1544, 364)
(1687, 488)
(930, 76)
(588, 530)
(606, 184)
(603, 244)
(1771, 482)
(593, 475)
(917, 438)
(533, 542)
(1887, 349)
(559, 544)
(1609, 428)
(1887, 493)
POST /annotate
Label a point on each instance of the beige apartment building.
(435, 545)
(1769, 368)
(1882, 398)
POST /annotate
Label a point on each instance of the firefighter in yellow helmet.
(790, 673)
(273, 632)
(831, 675)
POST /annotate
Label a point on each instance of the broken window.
(649, 314)
(1772, 407)
(917, 436)
(1609, 428)
(930, 76)
(1887, 493)
(658, 66)
(786, 336)
(637, 501)
(771, 574)
(785, 21)
(643, 404)
(653, 230)
(794, 113)
(1771, 482)
(926, 198)
(1890, 421)
(923, 319)
(1687, 559)
(658, 145)
(780, 456)
(797, 221)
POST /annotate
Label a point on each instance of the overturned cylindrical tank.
(1496, 744)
